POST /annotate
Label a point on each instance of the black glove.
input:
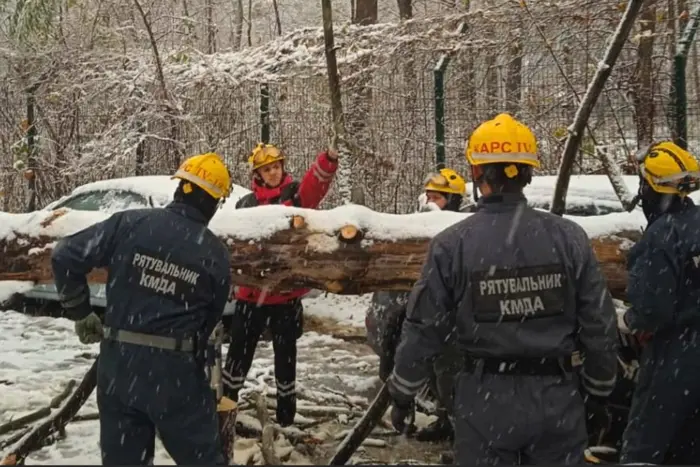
(402, 416)
(598, 418)
(386, 365)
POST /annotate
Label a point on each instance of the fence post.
(678, 90)
(439, 89)
(264, 113)
(439, 93)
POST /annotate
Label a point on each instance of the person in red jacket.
(281, 311)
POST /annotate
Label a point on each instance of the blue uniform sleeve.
(428, 323)
(223, 287)
(597, 325)
(652, 287)
(75, 256)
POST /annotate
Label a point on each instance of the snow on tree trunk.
(615, 175)
(346, 250)
(339, 143)
(576, 130)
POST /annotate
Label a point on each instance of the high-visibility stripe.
(410, 388)
(218, 192)
(516, 156)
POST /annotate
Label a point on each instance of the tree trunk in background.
(642, 77)
(211, 29)
(514, 77)
(359, 107)
(250, 22)
(238, 29)
(278, 21)
(30, 171)
(405, 9)
(366, 12)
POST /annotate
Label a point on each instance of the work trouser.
(247, 324)
(442, 381)
(663, 420)
(143, 388)
(518, 412)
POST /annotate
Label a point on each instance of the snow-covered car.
(115, 195)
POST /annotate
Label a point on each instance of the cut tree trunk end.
(227, 410)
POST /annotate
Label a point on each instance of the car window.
(582, 210)
(105, 200)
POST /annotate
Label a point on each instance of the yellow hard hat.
(669, 169)
(445, 181)
(264, 154)
(502, 139)
(208, 172)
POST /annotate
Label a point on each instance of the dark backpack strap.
(247, 201)
(291, 192)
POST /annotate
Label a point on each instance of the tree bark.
(278, 21)
(339, 140)
(348, 259)
(578, 127)
(405, 9)
(366, 12)
(642, 79)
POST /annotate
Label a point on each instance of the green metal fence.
(412, 92)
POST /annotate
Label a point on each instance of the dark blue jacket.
(169, 275)
(664, 273)
(512, 282)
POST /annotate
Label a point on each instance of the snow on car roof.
(584, 190)
(159, 187)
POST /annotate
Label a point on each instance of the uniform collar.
(500, 202)
(187, 211)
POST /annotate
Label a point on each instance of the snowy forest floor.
(336, 381)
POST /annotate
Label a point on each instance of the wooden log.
(227, 410)
(267, 438)
(364, 426)
(346, 250)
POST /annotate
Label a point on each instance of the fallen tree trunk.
(346, 250)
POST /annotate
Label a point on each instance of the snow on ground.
(347, 310)
(40, 355)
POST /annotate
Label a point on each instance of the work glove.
(641, 336)
(621, 323)
(386, 365)
(402, 416)
(89, 329)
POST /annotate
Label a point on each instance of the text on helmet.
(505, 146)
(202, 173)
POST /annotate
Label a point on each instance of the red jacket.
(311, 191)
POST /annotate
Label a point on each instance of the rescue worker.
(446, 190)
(169, 281)
(664, 293)
(281, 311)
(520, 287)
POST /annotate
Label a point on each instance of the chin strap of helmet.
(477, 177)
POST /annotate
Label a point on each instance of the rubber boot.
(439, 430)
(286, 410)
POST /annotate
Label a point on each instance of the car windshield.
(105, 200)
